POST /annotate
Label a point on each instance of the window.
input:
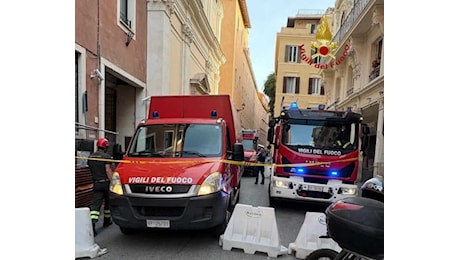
(314, 86)
(76, 87)
(291, 85)
(292, 53)
(168, 142)
(313, 28)
(127, 13)
(313, 52)
(375, 62)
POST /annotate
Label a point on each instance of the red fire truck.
(316, 154)
(250, 142)
(175, 173)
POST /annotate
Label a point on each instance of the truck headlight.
(115, 184)
(213, 183)
(282, 184)
(347, 191)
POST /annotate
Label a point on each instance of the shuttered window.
(314, 86)
(292, 53)
(291, 85)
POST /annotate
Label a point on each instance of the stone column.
(187, 40)
(158, 45)
(378, 158)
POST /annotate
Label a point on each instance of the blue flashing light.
(214, 114)
(298, 170)
(293, 105)
(155, 115)
(334, 173)
(321, 106)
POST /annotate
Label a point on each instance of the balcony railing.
(347, 24)
(374, 73)
(350, 20)
(349, 91)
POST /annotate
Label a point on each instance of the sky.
(267, 17)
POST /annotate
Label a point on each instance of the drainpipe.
(101, 117)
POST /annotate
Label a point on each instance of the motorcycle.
(356, 224)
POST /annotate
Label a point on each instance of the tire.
(220, 229)
(322, 254)
(271, 200)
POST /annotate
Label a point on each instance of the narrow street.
(166, 244)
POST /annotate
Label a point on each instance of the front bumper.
(199, 212)
(296, 188)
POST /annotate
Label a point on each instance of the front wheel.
(322, 254)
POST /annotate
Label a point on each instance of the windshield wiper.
(302, 145)
(192, 152)
(146, 154)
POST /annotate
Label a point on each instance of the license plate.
(157, 223)
(315, 188)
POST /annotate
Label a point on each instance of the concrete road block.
(84, 237)
(253, 229)
(309, 236)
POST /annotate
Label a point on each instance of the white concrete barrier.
(253, 229)
(309, 237)
(84, 237)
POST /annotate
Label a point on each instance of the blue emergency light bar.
(213, 114)
(293, 105)
(155, 115)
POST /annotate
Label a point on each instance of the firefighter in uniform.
(100, 165)
(342, 141)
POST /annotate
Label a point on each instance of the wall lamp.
(242, 108)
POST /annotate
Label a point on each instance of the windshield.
(249, 144)
(319, 134)
(177, 140)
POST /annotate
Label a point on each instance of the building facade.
(183, 52)
(357, 82)
(110, 68)
(297, 79)
(129, 50)
(237, 76)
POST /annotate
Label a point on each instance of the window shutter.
(284, 84)
(286, 53)
(322, 90)
(310, 86)
(297, 83)
(298, 54)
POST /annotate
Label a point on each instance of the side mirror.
(365, 138)
(365, 129)
(238, 152)
(270, 135)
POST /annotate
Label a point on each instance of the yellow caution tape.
(216, 160)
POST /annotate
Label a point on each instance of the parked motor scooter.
(356, 224)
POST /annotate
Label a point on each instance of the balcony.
(374, 73)
(350, 20)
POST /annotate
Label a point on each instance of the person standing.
(261, 156)
(100, 166)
